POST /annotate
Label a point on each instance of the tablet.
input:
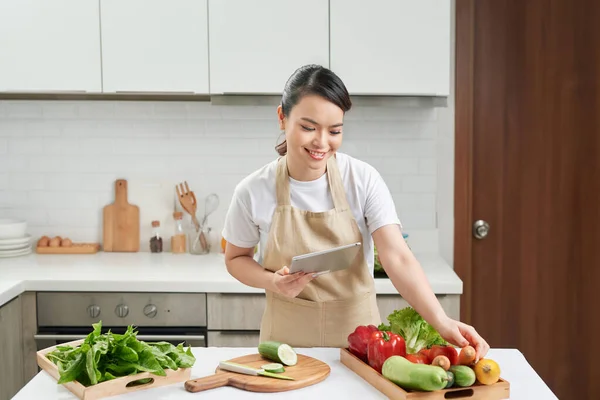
(324, 261)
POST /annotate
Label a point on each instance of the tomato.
(382, 346)
(448, 351)
(417, 358)
(425, 353)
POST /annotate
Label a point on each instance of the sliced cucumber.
(278, 352)
(273, 367)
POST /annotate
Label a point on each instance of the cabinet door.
(48, 46)
(155, 45)
(392, 47)
(256, 45)
(233, 339)
(11, 349)
(235, 311)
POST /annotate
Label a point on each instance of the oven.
(170, 317)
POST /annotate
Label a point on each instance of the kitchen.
(162, 99)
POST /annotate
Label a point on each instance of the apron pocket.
(296, 322)
(342, 317)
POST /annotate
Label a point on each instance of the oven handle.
(156, 338)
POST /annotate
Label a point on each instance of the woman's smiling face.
(313, 132)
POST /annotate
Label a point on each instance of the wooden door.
(528, 163)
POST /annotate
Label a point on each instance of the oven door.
(190, 338)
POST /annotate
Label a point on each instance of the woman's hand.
(290, 285)
(461, 334)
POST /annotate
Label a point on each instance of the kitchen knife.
(243, 369)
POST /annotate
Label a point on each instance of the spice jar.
(156, 242)
(178, 240)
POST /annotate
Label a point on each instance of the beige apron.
(331, 306)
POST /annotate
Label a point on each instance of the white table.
(342, 383)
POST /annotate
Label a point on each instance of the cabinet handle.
(140, 337)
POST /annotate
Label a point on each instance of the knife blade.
(243, 369)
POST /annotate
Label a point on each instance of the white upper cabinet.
(154, 46)
(392, 47)
(48, 46)
(256, 45)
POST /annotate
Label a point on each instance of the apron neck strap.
(336, 186)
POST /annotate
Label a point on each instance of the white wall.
(59, 159)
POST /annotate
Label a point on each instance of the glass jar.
(178, 240)
(200, 241)
(156, 242)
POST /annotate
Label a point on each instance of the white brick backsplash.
(3, 180)
(59, 159)
(419, 184)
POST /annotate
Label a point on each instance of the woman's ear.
(281, 118)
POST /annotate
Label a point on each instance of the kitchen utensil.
(187, 199)
(112, 387)
(11, 228)
(211, 203)
(308, 371)
(121, 228)
(243, 369)
(497, 391)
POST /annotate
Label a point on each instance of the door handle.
(481, 229)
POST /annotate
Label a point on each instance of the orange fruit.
(487, 371)
(223, 244)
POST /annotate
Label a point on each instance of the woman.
(314, 197)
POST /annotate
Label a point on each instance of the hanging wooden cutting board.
(307, 371)
(121, 227)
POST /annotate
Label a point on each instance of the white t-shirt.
(254, 201)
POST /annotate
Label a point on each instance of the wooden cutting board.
(308, 371)
(121, 228)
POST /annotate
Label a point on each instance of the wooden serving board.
(115, 386)
(498, 391)
(307, 371)
(75, 248)
(121, 225)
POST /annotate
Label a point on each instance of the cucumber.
(464, 376)
(273, 367)
(278, 352)
(423, 377)
(450, 379)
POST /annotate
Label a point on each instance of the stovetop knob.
(93, 311)
(150, 311)
(122, 311)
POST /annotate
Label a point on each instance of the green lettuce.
(107, 356)
(417, 333)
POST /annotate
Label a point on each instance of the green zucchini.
(273, 367)
(422, 377)
(278, 352)
(464, 376)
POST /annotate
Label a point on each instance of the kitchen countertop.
(341, 383)
(165, 272)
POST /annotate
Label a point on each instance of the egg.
(54, 242)
(66, 242)
(43, 242)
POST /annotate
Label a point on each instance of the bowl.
(12, 228)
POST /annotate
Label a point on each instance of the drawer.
(235, 311)
(233, 339)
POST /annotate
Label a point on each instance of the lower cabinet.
(233, 339)
(11, 349)
(233, 319)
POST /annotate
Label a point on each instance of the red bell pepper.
(382, 346)
(358, 340)
(444, 350)
(418, 358)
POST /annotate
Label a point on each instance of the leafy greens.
(102, 357)
(417, 333)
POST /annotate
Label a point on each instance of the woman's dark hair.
(312, 80)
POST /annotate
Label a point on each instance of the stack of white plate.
(14, 239)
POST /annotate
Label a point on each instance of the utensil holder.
(200, 241)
